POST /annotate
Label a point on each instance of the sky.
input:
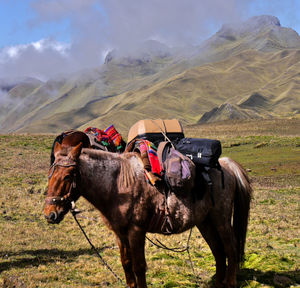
(43, 38)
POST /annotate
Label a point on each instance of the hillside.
(244, 71)
(34, 254)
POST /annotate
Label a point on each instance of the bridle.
(69, 197)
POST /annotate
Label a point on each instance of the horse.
(115, 184)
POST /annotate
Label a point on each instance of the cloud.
(40, 59)
(96, 26)
(4, 98)
(12, 52)
(174, 21)
(121, 23)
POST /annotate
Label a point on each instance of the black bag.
(204, 152)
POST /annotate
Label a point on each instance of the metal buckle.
(190, 156)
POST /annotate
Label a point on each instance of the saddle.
(108, 139)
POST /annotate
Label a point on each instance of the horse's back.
(237, 171)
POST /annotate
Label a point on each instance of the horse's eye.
(67, 178)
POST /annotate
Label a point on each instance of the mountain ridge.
(251, 69)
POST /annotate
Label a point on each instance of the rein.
(161, 245)
(74, 212)
(66, 198)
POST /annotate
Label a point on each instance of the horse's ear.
(75, 152)
(57, 149)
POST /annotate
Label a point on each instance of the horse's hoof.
(218, 285)
(229, 286)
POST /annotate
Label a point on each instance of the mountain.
(262, 33)
(254, 107)
(145, 52)
(245, 70)
(12, 93)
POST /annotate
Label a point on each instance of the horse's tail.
(242, 201)
(241, 213)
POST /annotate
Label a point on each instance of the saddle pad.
(148, 149)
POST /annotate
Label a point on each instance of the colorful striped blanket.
(149, 151)
(109, 137)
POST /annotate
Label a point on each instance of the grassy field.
(35, 254)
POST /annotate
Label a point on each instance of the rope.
(160, 245)
(178, 250)
(96, 251)
(163, 246)
(164, 133)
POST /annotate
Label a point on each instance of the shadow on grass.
(25, 258)
(270, 278)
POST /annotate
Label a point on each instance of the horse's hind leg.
(225, 230)
(137, 243)
(211, 236)
(126, 260)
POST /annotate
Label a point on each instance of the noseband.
(66, 199)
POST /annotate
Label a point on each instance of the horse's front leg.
(126, 260)
(137, 243)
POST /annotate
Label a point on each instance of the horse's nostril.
(52, 216)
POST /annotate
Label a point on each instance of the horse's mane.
(99, 154)
(127, 174)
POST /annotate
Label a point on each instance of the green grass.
(35, 254)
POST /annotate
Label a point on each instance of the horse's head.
(62, 180)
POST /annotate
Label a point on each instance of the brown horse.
(115, 184)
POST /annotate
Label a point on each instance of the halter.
(68, 197)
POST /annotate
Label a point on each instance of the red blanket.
(148, 149)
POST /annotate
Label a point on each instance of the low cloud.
(4, 98)
(95, 26)
(40, 59)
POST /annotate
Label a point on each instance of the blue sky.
(17, 25)
(75, 34)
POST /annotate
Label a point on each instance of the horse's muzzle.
(54, 217)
